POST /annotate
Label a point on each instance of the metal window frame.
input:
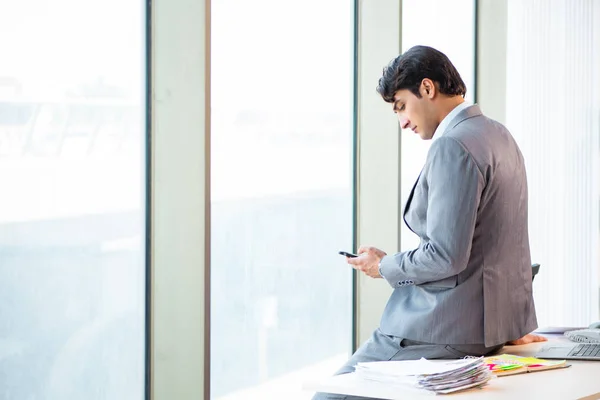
(378, 153)
(178, 290)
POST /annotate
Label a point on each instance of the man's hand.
(529, 338)
(367, 261)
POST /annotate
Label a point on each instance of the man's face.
(416, 113)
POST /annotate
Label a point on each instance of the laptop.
(574, 351)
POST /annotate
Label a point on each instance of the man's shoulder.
(483, 138)
(477, 128)
(473, 116)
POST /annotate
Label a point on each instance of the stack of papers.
(438, 377)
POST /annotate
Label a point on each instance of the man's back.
(469, 207)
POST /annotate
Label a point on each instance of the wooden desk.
(580, 381)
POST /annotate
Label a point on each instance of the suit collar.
(469, 112)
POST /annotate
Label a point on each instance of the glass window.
(72, 212)
(282, 145)
(450, 28)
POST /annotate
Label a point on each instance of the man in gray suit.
(466, 290)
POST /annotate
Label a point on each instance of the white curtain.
(553, 110)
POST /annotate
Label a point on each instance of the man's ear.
(427, 88)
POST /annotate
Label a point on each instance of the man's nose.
(404, 122)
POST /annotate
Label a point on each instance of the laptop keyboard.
(586, 350)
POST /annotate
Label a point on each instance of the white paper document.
(438, 377)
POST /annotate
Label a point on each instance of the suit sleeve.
(455, 184)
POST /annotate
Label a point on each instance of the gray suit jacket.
(469, 281)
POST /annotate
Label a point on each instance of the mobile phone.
(347, 254)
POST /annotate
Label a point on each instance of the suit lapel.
(408, 201)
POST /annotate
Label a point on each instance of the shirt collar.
(441, 129)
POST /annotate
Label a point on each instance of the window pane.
(281, 195)
(457, 41)
(72, 230)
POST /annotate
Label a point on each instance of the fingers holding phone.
(367, 260)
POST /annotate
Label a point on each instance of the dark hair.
(408, 70)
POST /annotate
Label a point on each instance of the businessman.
(466, 289)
